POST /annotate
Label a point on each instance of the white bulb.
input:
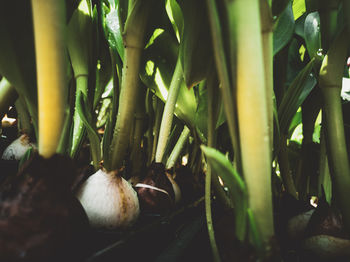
(17, 149)
(109, 200)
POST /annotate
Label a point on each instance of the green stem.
(221, 66)
(209, 178)
(62, 147)
(286, 173)
(133, 38)
(136, 153)
(185, 134)
(328, 11)
(337, 151)
(330, 81)
(126, 107)
(251, 104)
(24, 124)
(158, 118)
(325, 176)
(8, 96)
(168, 113)
(151, 115)
(267, 44)
(207, 198)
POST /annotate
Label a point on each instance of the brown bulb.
(155, 191)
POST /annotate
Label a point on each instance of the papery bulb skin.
(17, 149)
(109, 200)
(176, 188)
(157, 194)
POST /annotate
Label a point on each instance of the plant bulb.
(158, 192)
(17, 149)
(109, 200)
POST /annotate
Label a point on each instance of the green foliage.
(195, 45)
(237, 191)
(284, 29)
(295, 95)
(312, 35)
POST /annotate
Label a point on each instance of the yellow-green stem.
(126, 109)
(209, 178)
(24, 120)
(133, 38)
(253, 113)
(330, 82)
(185, 134)
(168, 112)
(337, 152)
(49, 32)
(156, 127)
(267, 43)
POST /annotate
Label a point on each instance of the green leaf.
(113, 31)
(294, 64)
(299, 26)
(17, 55)
(284, 29)
(28, 154)
(235, 184)
(296, 120)
(201, 117)
(299, 8)
(176, 18)
(196, 52)
(312, 34)
(278, 6)
(80, 30)
(94, 138)
(299, 89)
(156, 72)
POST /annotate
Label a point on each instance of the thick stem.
(8, 96)
(126, 109)
(328, 11)
(253, 113)
(24, 123)
(338, 155)
(133, 38)
(267, 44)
(140, 117)
(49, 32)
(330, 82)
(185, 134)
(168, 113)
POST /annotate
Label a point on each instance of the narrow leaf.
(284, 29)
(236, 186)
(295, 95)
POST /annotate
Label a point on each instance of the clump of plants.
(118, 115)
